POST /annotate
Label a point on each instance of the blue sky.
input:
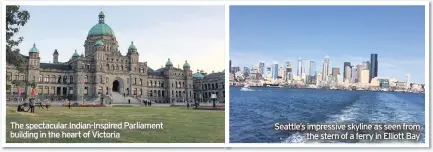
(344, 33)
(193, 33)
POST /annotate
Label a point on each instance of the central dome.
(101, 28)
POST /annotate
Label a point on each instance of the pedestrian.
(47, 105)
(150, 103)
(187, 105)
(129, 101)
(124, 94)
(32, 105)
(69, 104)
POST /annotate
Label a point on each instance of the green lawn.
(180, 125)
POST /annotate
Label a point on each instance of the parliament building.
(102, 70)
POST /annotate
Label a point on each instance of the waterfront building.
(312, 68)
(102, 70)
(364, 76)
(246, 71)
(325, 69)
(269, 74)
(347, 71)
(407, 80)
(335, 72)
(288, 73)
(262, 69)
(319, 78)
(373, 67)
(299, 70)
(384, 83)
(275, 71)
(281, 73)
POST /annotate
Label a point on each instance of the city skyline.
(199, 32)
(345, 34)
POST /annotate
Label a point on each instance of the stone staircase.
(118, 98)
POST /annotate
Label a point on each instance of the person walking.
(129, 101)
(69, 104)
(32, 105)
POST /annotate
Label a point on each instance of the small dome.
(75, 54)
(34, 49)
(168, 63)
(99, 42)
(186, 65)
(132, 46)
(198, 75)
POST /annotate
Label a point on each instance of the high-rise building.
(312, 68)
(275, 71)
(373, 66)
(354, 75)
(281, 72)
(335, 72)
(347, 71)
(262, 69)
(299, 70)
(230, 64)
(407, 81)
(364, 76)
(325, 70)
(268, 73)
(288, 72)
(246, 71)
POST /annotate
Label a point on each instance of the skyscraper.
(325, 70)
(288, 72)
(275, 71)
(373, 66)
(347, 71)
(312, 68)
(262, 69)
(335, 72)
(299, 72)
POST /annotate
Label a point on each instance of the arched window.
(71, 79)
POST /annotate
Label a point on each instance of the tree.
(15, 18)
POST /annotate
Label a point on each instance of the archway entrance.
(116, 86)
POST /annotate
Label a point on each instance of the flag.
(20, 90)
(34, 92)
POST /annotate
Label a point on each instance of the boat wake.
(246, 89)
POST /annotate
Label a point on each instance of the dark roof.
(55, 66)
(214, 75)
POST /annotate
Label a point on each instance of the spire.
(101, 17)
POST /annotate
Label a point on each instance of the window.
(71, 79)
(85, 79)
(40, 78)
(86, 91)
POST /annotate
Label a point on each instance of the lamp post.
(213, 97)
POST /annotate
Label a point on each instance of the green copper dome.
(34, 49)
(198, 75)
(168, 63)
(75, 54)
(132, 46)
(99, 42)
(101, 28)
(186, 65)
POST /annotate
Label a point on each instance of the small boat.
(246, 87)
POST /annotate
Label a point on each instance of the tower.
(33, 75)
(55, 56)
(373, 66)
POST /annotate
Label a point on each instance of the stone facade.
(102, 69)
(207, 84)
